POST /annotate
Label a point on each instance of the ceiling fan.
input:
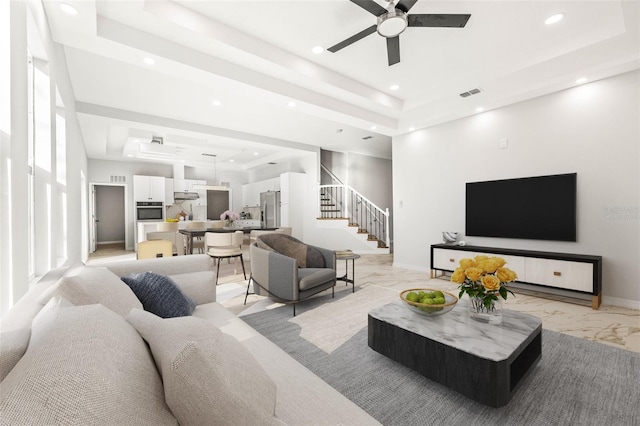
(394, 20)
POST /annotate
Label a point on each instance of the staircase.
(339, 202)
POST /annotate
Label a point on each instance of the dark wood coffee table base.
(489, 381)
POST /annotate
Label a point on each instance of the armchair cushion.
(309, 278)
(306, 255)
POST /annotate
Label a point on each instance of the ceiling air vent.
(470, 92)
(158, 140)
(271, 162)
(367, 137)
(117, 179)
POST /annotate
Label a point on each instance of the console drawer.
(559, 273)
(449, 260)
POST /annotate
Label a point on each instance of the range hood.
(185, 196)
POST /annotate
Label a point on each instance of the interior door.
(217, 203)
(94, 221)
(108, 215)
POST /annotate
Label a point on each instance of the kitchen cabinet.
(181, 185)
(198, 186)
(148, 188)
(168, 192)
(251, 191)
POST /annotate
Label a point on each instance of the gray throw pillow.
(160, 295)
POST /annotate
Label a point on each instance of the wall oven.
(149, 210)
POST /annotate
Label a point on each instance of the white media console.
(565, 271)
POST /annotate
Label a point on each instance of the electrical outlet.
(504, 143)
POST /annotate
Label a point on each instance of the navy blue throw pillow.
(160, 295)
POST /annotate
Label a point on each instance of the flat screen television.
(536, 208)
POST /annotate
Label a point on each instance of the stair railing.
(339, 201)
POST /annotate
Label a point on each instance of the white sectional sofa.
(79, 349)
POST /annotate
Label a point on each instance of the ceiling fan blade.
(370, 6)
(393, 50)
(405, 5)
(439, 20)
(362, 34)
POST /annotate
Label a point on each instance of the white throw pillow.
(90, 285)
(85, 365)
(209, 377)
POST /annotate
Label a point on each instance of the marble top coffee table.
(482, 361)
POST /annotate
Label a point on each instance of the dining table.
(200, 232)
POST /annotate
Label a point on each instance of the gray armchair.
(285, 268)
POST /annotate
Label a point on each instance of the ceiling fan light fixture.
(392, 23)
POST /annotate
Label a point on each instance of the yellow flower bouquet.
(483, 278)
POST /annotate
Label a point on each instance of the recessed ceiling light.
(394, 87)
(255, 153)
(373, 127)
(581, 80)
(68, 9)
(136, 140)
(216, 103)
(317, 50)
(231, 160)
(149, 61)
(411, 129)
(554, 18)
(291, 104)
(479, 109)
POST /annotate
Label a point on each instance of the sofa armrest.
(274, 273)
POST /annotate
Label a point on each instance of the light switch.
(504, 143)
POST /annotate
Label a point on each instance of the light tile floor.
(612, 325)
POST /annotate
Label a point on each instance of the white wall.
(591, 129)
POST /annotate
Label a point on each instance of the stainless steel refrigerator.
(270, 209)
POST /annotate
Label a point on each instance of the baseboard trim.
(623, 303)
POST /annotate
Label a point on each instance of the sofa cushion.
(207, 374)
(14, 341)
(160, 295)
(306, 255)
(85, 365)
(14, 345)
(90, 285)
(313, 277)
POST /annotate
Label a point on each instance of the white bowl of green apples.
(428, 301)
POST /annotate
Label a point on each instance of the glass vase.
(479, 312)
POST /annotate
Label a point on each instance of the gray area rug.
(576, 382)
